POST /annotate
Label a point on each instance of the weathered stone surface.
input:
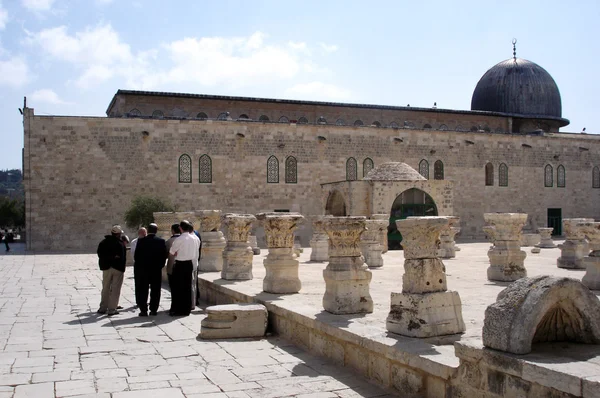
(237, 256)
(384, 234)
(280, 264)
(575, 247)
(536, 250)
(530, 239)
(447, 244)
(319, 242)
(346, 276)
(394, 171)
(424, 275)
(254, 245)
(541, 309)
(506, 258)
(371, 242)
(164, 220)
(421, 236)
(234, 321)
(213, 241)
(591, 279)
(546, 238)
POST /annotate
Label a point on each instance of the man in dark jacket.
(111, 258)
(149, 259)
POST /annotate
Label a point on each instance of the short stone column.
(384, 234)
(346, 276)
(546, 238)
(506, 256)
(213, 241)
(591, 279)
(447, 245)
(575, 247)
(254, 245)
(237, 256)
(425, 308)
(371, 242)
(280, 264)
(164, 220)
(319, 242)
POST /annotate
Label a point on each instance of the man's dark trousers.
(143, 280)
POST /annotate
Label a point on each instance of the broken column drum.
(546, 238)
(237, 256)
(319, 242)
(447, 245)
(213, 241)
(506, 256)
(371, 242)
(281, 264)
(425, 308)
(591, 279)
(383, 238)
(346, 277)
(575, 247)
(254, 245)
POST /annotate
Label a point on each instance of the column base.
(211, 255)
(347, 292)
(320, 250)
(591, 279)
(282, 272)
(425, 315)
(506, 265)
(237, 262)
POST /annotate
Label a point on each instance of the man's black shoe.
(153, 313)
(143, 313)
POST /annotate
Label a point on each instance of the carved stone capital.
(374, 230)
(421, 236)
(508, 226)
(164, 220)
(210, 220)
(344, 235)
(571, 229)
(238, 226)
(591, 230)
(279, 229)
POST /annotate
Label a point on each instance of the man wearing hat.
(111, 258)
(149, 259)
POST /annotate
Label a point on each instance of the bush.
(140, 211)
(12, 212)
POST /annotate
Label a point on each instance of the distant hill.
(11, 184)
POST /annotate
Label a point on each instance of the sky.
(69, 57)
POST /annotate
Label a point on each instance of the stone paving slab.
(55, 345)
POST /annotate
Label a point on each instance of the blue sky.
(69, 57)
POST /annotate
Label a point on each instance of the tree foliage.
(12, 212)
(140, 211)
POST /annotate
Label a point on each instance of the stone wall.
(81, 173)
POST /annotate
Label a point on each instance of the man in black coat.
(111, 259)
(149, 259)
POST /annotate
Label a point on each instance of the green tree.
(12, 212)
(141, 209)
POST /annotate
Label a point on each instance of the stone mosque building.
(251, 155)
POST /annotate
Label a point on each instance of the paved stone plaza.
(55, 345)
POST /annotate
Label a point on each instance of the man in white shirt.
(141, 234)
(185, 249)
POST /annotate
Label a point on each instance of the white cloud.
(328, 48)
(318, 91)
(46, 96)
(3, 17)
(14, 72)
(38, 5)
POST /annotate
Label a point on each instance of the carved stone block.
(234, 321)
(546, 238)
(237, 256)
(506, 257)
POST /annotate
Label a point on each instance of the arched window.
(489, 174)
(394, 125)
(548, 176)
(367, 166)
(272, 170)
(303, 120)
(222, 116)
(503, 175)
(135, 113)
(158, 114)
(185, 168)
(596, 177)
(205, 169)
(438, 170)
(291, 170)
(339, 122)
(376, 124)
(358, 123)
(263, 118)
(284, 119)
(243, 116)
(561, 179)
(202, 116)
(351, 169)
(443, 127)
(321, 120)
(427, 126)
(424, 168)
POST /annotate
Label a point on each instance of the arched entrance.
(336, 206)
(412, 202)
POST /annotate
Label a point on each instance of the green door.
(555, 221)
(412, 202)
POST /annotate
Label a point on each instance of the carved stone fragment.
(575, 247)
(320, 242)
(234, 321)
(213, 241)
(546, 238)
(237, 256)
(506, 256)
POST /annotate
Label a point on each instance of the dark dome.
(517, 86)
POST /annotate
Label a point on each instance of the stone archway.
(336, 205)
(412, 202)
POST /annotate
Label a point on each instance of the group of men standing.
(181, 253)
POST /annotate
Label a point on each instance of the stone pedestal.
(237, 256)
(591, 279)
(575, 246)
(447, 245)
(424, 308)
(280, 263)
(213, 241)
(346, 277)
(530, 239)
(383, 238)
(371, 243)
(319, 242)
(546, 238)
(254, 245)
(234, 321)
(506, 256)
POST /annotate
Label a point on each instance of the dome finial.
(514, 43)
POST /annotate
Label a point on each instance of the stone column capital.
(591, 230)
(238, 226)
(572, 230)
(374, 229)
(421, 236)
(344, 235)
(279, 229)
(210, 220)
(507, 226)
